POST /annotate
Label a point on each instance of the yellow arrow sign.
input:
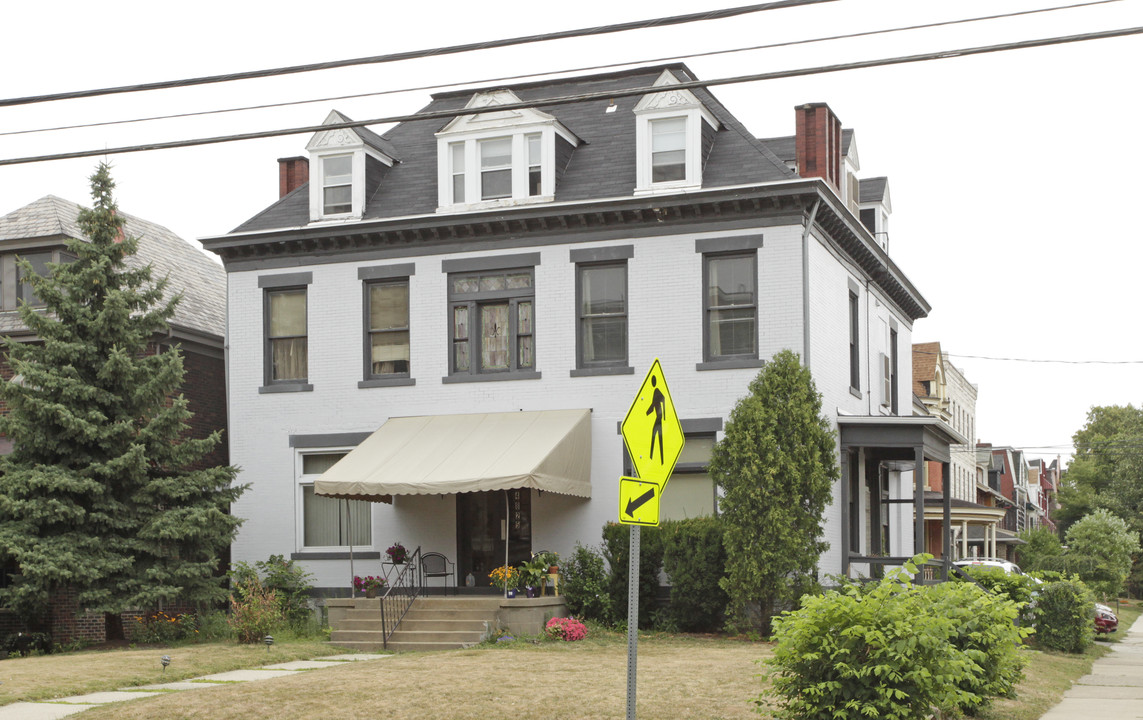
(638, 502)
(651, 430)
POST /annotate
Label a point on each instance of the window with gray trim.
(854, 343)
(601, 293)
(730, 304)
(491, 319)
(327, 522)
(286, 335)
(691, 491)
(387, 329)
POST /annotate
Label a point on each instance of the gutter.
(806, 284)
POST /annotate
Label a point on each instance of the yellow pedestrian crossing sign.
(652, 431)
(638, 501)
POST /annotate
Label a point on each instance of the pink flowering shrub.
(569, 629)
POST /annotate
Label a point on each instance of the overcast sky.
(1011, 174)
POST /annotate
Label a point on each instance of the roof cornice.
(531, 224)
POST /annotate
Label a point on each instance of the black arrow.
(636, 503)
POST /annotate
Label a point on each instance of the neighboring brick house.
(37, 233)
(435, 287)
(945, 393)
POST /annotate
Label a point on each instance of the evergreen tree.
(103, 491)
(776, 466)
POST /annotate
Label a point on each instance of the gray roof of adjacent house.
(602, 166)
(200, 279)
(872, 189)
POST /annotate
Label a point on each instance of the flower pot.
(512, 593)
(553, 569)
(370, 593)
(531, 591)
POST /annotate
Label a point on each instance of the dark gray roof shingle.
(603, 166)
(192, 272)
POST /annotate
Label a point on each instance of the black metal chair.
(434, 565)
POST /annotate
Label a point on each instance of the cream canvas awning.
(443, 454)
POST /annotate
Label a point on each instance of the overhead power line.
(582, 69)
(415, 54)
(587, 97)
(1033, 360)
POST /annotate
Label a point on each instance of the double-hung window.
(492, 319)
(286, 341)
(327, 522)
(386, 321)
(601, 310)
(854, 343)
(337, 184)
(668, 149)
(495, 168)
(731, 306)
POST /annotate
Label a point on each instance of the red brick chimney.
(818, 138)
(293, 172)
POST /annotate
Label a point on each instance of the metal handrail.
(399, 596)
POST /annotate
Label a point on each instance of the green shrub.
(984, 630)
(695, 560)
(255, 611)
(24, 644)
(1066, 616)
(616, 548)
(1096, 572)
(290, 583)
(881, 654)
(585, 585)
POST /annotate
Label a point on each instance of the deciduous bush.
(254, 610)
(695, 561)
(565, 628)
(893, 650)
(290, 584)
(1066, 616)
(616, 548)
(585, 585)
(984, 629)
(160, 627)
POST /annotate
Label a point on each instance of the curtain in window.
(326, 523)
(494, 336)
(288, 335)
(730, 282)
(603, 293)
(389, 311)
(668, 149)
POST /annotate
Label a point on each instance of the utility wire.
(582, 69)
(587, 97)
(1032, 360)
(415, 54)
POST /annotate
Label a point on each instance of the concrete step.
(460, 637)
(417, 613)
(436, 623)
(423, 624)
(481, 602)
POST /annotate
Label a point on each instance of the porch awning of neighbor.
(443, 454)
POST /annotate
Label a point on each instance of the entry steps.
(436, 623)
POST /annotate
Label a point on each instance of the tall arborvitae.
(99, 493)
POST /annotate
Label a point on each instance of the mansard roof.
(202, 281)
(603, 166)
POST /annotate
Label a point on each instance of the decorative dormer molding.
(345, 163)
(499, 157)
(673, 133)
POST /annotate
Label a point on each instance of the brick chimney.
(818, 138)
(293, 172)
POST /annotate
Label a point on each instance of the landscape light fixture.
(165, 660)
(269, 640)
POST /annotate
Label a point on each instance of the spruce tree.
(776, 466)
(104, 491)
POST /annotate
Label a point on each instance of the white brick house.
(539, 258)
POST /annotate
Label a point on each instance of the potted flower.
(552, 559)
(369, 584)
(533, 573)
(397, 553)
(507, 578)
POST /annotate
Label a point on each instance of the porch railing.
(399, 596)
(928, 574)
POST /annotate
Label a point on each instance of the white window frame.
(357, 193)
(325, 184)
(695, 118)
(471, 172)
(303, 481)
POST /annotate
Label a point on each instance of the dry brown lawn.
(677, 678)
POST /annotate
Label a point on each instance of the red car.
(1105, 619)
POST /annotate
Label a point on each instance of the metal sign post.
(632, 619)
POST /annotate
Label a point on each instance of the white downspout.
(806, 284)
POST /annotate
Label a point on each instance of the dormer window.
(348, 160)
(497, 158)
(674, 132)
(337, 184)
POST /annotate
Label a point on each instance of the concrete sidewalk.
(1113, 690)
(63, 707)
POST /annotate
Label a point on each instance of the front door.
(482, 519)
